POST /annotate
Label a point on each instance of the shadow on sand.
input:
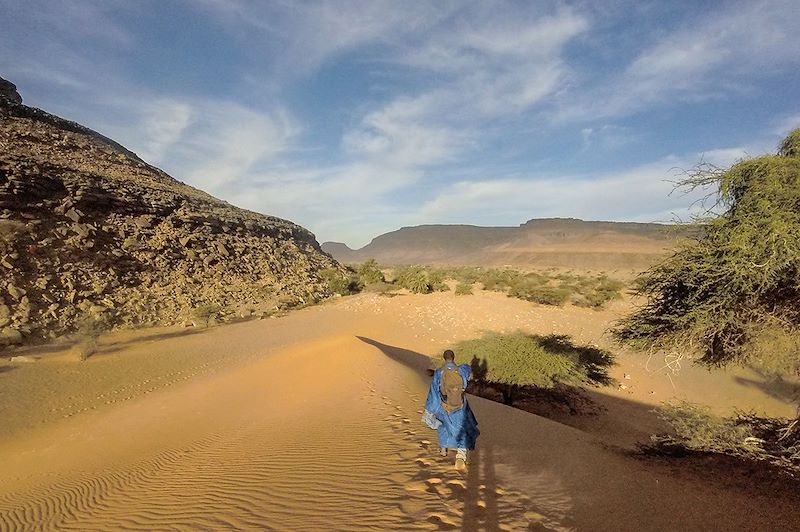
(572, 480)
(784, 390)
(110, 346)
(480, 496)
(107, 344)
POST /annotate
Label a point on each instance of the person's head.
(449, 356)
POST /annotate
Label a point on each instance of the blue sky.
(356, 118)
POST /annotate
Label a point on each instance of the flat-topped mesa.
(89, 231)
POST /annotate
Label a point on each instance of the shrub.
(695, 429)
(545, 295)
(370, 273)
(515, 360)
(89, 328)
(342, 283)
(463, 289)
(436, 280)
(204, 314)
(597, 292)
(415, 279)
(381, 287)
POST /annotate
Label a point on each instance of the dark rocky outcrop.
(90, 231)
(8, 92)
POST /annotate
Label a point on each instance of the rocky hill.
(550, 242)
(90, 232)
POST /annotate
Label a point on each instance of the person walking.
(447, 410)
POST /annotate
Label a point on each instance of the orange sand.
(183, 430)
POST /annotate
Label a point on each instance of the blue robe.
(457, 429)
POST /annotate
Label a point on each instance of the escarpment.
(89, 231)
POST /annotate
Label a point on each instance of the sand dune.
(311, 422)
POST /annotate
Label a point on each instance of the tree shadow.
(786, 391)
(592, 359)
(575, 481)
(111, 346)
(108, 345)
(481, 480)
(6, 369)
(412, 359)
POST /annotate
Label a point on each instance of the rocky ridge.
(544, 242)
(91, 233)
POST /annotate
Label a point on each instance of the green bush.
(595, 293)
(697, 429)
(370, 273)
(463, 274)
(436, 280)
(463, 289)
(515, 360)
(340, 282)
(544, 295)
(414, 279)
(381, 287)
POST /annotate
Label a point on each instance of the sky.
(355, 118)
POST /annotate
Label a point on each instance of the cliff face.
(90, 231)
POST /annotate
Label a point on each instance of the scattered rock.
(10, 336)
(15, 292)
(73, 215)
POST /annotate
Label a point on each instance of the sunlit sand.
(311, 422)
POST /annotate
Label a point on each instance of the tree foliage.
(738, 283)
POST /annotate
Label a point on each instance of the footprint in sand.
(416, 487)
(443, 521)
(421, 462)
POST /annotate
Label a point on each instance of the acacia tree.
(732, 294)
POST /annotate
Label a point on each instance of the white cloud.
(300, 37)
(608, 137)
(227, 143)
(784, 125)
(715, 56)
(163, 123)
(645, 193)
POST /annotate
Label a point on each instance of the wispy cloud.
(783, 125)
(354, 117)
(299, 37)
(707, 58)
(646, 193)
(225, 143)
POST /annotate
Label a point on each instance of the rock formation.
(91, 233)
(545, 242)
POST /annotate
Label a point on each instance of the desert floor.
(311, 422)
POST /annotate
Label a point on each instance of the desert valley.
(172, 362)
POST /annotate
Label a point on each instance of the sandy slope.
(310, 422)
